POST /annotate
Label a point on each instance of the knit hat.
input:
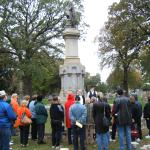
(2, 93)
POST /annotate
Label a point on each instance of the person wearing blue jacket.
(34, 124)
(78, 115)
(7, 116)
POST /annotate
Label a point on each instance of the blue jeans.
(5, 134)
(124, 131)
(78, 132)
(102, 140)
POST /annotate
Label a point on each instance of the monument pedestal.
(72, 72)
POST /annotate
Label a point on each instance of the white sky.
(96, 12)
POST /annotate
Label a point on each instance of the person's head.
(135, 96)
(77, 98)
(24, 103)
(70, 97)
(34, 97)
(14, 96)
(39, 98)
(27, 97)
(79, 92)
(87, 101)
(120, 92)
(132, 99)
(3, 95)
(92, 89)
(100, 95)
(105, 99)
(55, 99)
(93, 99)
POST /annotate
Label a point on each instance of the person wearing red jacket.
(70, 101)
(24, 129)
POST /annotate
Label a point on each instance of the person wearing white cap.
(7, 116)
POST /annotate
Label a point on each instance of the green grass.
(34, 146)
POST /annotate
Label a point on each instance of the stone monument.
(72, 71)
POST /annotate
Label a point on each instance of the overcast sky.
(96, 12)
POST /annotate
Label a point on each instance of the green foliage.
(146, 87)
(95, 81)
(115, 79)
(145, 64)
(31, 33)
(125, 35)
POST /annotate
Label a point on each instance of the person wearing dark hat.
(7, 116)
(78, 115)
(41, 118)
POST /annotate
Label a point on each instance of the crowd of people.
(88, 120)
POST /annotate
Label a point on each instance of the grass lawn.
(34, 146)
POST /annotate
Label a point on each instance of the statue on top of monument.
(72, 16)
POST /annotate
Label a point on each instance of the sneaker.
(53, 147)
(10, 148)
(57, 147)
(138, 140)
(147, 137)
(11, 143)
(112, 140)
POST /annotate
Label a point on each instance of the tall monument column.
(72, 71)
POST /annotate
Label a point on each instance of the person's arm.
(71, 116)
(11, 114)
(144, 111)
(94, 112)
(84, 116)
(88, 94)
(62, 113)
(28, 112)
(108, 111)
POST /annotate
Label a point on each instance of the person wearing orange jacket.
(15, 106)
(14, 102)
(24, 129)
(70, 101)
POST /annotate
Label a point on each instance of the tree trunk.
(27, 85)
(125, 79)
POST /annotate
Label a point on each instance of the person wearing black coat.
(102, 132)
(147, 116)
(139, 116)
(57, 121)
(136, 116)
